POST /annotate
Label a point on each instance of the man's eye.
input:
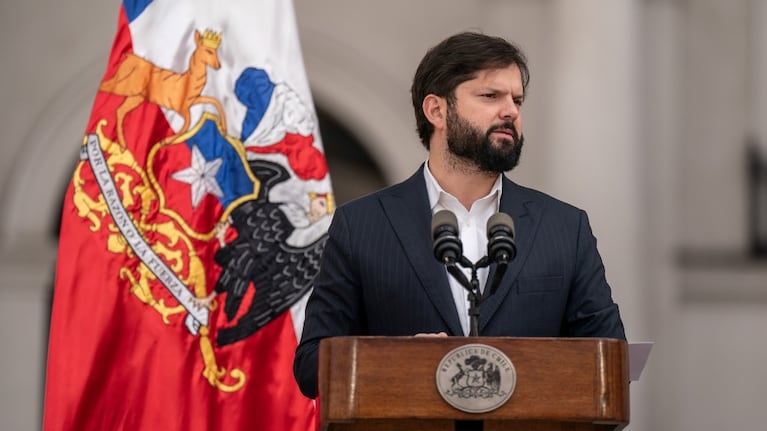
(489, 95)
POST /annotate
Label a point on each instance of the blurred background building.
(649, 114)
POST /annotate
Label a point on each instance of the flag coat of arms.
(192, 227)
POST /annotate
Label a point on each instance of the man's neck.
(465, 182)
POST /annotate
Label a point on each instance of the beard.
(469, 144)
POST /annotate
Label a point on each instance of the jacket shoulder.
(546, 201)
(411, 188)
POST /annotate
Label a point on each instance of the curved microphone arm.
(456, 272)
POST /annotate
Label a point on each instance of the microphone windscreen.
(443, 218)
(500, 220)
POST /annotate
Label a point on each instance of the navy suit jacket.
(379, 275)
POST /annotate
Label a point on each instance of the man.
(378, 273)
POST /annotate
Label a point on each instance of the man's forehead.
(499, 73)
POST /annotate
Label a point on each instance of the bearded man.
(378, 274)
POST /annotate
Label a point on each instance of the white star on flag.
(201, 176)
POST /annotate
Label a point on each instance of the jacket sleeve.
(591, 311)
(333, 308)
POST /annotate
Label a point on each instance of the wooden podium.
(389, 383)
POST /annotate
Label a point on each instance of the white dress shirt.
(472, 230)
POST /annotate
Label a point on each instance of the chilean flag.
(201, 189)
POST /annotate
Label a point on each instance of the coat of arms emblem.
(476, 378)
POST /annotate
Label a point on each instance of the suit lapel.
(526, 215)
(408, 211)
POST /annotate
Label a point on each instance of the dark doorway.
(353, 171)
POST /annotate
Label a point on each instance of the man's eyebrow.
(491, 89)
(496, 90)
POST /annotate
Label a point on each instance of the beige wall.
(637, 112)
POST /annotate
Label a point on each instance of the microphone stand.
(474, 296)
(449, 251)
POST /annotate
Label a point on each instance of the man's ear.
(435, 110)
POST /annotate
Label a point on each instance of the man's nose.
(510, 110)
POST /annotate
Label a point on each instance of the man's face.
(484, 125)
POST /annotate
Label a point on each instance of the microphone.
(448, 248)
(501, 248)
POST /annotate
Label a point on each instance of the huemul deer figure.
(139, 80)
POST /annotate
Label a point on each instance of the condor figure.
(265, 255)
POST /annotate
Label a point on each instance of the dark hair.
(455, 60)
